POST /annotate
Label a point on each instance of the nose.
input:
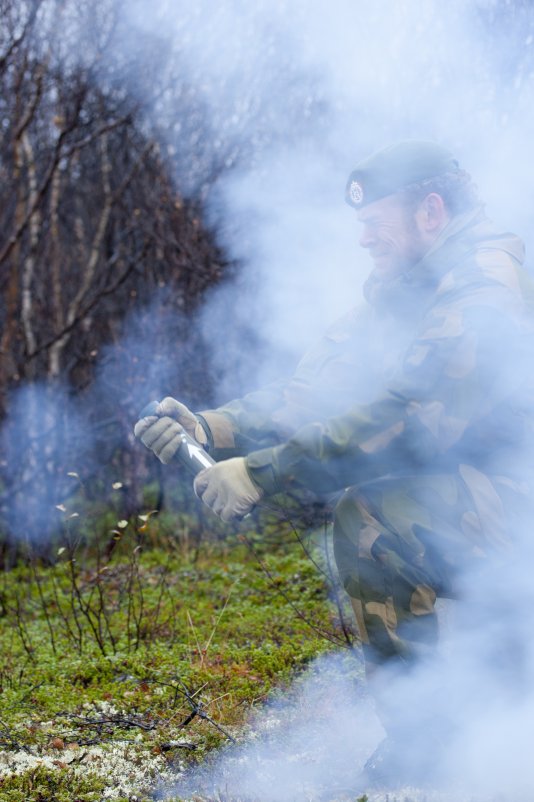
(367, 238)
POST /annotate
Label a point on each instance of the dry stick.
(44, 606)
(132, 615)
(175, 688)
(141, 598)
(103, 613)
(121, 721)
(190, 620)
(197, 710)
(346, 632)
(104, 725)
(90, 611)
(100, 613)
(23, 631)
(103, 610)
(11, 743)
(154, 618)
(72, 599)
(85, 609)
(207, 646)
(329, 574)
(285, 516)
(76, 639)
(129, 611)
(127, 722)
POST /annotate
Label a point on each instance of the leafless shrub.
(92, 228)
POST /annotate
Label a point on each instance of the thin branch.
(90, 306)
(58, 154)
(16, 42)
(329, 574)
(197, 709)
(34, 103)
(346, 632)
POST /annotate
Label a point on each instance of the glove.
(163, 436)
(161, 432)
(228, 489)
(174, 409)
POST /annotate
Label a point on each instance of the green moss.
(42, 785)
(165, 638)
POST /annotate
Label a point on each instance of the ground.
(124, 663)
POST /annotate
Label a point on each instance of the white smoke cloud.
(294, 94)
(43, 441)
(357, 76)
(312, 740)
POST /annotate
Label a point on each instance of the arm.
(438, 407)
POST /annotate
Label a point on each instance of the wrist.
(217, 428)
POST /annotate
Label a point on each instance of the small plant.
(142, 646)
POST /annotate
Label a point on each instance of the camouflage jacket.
(431, 373)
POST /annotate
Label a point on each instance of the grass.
(130, 656)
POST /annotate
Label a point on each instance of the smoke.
(312, 741)
(295, 94)
(281, 99)
(53, 440)
(300, 745)
(43, 442)
(291, 95)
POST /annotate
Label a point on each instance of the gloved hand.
(228, 489)
(160, 435)
(161, 431)
(175, 409)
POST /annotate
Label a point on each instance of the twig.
(329, 574)
(197, 709)
(207, 646)
(346, 632)
(10, 742)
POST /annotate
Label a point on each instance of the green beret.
(396, 167)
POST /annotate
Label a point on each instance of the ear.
(433, 214)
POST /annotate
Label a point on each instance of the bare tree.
(92, 229)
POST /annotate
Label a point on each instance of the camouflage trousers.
(400, 543)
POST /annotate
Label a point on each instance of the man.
(415, 409)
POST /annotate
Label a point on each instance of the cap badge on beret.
(356, 192)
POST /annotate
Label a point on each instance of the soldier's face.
(393, 235)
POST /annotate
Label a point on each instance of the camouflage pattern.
(402, 542)
(417, 410)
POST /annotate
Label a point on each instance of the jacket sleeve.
(335, 367)
(244, 424)
(437, 410)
